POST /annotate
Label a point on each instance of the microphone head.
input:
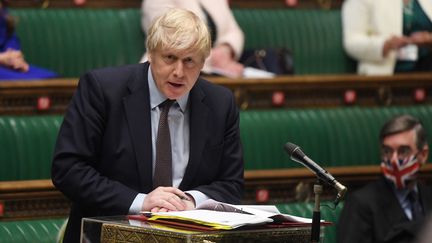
(295, 152)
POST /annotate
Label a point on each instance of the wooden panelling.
(300, 91)
(288, 185)
(39, 198)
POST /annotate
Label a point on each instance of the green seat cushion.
(35, 231)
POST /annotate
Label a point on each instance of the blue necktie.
(416, 208)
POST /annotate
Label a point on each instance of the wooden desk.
(120, 229)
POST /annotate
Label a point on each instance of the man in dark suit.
(108, 150)
(392, 208)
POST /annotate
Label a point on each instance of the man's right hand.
(163, 199)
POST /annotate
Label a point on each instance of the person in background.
(13, 65)
(152, 136)
(392, 208)
(388, 36)
(227, 37)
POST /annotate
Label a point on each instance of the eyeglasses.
(403, 152)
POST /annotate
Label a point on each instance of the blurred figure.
(12, 62)
(392, 208)
(227, 37)
(388, 36)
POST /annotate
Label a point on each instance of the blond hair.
(179, 29)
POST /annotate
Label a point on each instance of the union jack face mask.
(402, 171)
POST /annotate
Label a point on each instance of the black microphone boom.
(297, 155)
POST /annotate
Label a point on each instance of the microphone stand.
(316, 219)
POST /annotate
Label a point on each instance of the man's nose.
(178, 69)
(394, 157)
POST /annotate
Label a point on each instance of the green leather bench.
(27, 144)
(71, 41)
(34, 231)
(333, 137)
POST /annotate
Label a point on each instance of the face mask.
(400, 172)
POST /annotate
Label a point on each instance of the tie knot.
(166, 104)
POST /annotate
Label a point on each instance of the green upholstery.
(306, 210)
(333, 137)
(71, 41)
(314, 36)
(27, 144)
(34, 231)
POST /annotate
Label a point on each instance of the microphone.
(297, 155)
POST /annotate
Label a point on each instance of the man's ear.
(423, 154)
(149, 57)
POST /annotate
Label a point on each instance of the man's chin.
(173, 95)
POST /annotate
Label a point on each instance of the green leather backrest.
(27, 143)
(331, 137)
(72, 41)
(314, 36)
(35, 231)
(306, 210)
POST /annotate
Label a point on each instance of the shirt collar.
(402, 194)
(157, 97)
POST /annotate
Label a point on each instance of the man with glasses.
(392, 208)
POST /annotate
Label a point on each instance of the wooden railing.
(300, 91)
(323, 4)
(39, 198)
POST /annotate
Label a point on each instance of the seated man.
(392, 208)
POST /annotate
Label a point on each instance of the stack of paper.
(223, 216)
(213, 219)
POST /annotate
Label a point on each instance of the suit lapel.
(137, 107)
(198, 133)
(425, 193)
(393, 210)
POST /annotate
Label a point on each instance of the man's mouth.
(176, 85)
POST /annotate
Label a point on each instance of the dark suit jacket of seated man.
(103, 156)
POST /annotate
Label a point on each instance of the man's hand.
(164, 199)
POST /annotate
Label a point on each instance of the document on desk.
(214, 219)
(268, 211)
(224, 216)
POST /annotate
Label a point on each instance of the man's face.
(175, 72)
(401, 158)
